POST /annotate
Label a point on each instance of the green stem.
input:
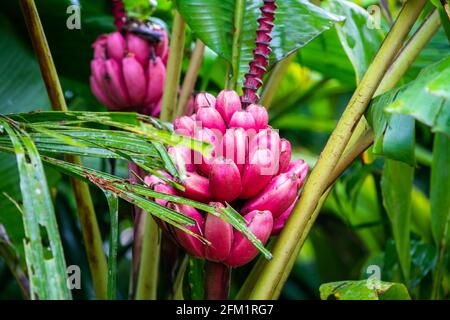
(288, 242)
(190, 78)
(149, 264)
(177, 291)
(236, 49)
(276, 76)
(88, 220)
(174, 65)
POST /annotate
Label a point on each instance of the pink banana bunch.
(128, 71)
(249, 167)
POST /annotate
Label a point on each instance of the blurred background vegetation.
(353, 230)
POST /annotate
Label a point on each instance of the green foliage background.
(389, 209)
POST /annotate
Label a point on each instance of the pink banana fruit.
(257, 173)
(285, 155)
(115, 84)
(204, 162)
(156, 75)
(191, 244)
(298, 168)
(204, 99)
(115, 46)
(196, 187)
(101, 95)
(184, 125)
(235, 146)
(211, 119)
(243, 251)
(276, 197)
(227, 103)
(220, 234)
(260, 115)
(135, 81)
(164, 188)
(280, 221)
(225, 180)
(242, 119)
(138, 47)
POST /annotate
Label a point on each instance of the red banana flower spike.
(235, 146)
(211, 119)
(276, 197)
(225, 180)
(243, 251)
(219, 233)
(280, 221)
(253, 79)
(118, 11)
(227, 103)
(190, 243)
(285, 155)
(196, 187)
(260, 115)
(204, 99)
(257, 173)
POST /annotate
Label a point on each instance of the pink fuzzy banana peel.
(225, 180)
(276, 197)
(243, 251)
(190, 243)
(227, 103)
(257, 173)
(219, 233)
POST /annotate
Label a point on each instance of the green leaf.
(424, 98)
(358, 41)
(370, 289)
(22, 88)
(392, 114)
(212, 22)
(46, 264)
(396, 187)
(195, 279)
(345, 52)
(440, 190)
(394, 134)
(113, 203)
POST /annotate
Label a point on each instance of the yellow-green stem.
(288, 242)
(190, 78)
(88, 220)
(174, 64)
(149, 264)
